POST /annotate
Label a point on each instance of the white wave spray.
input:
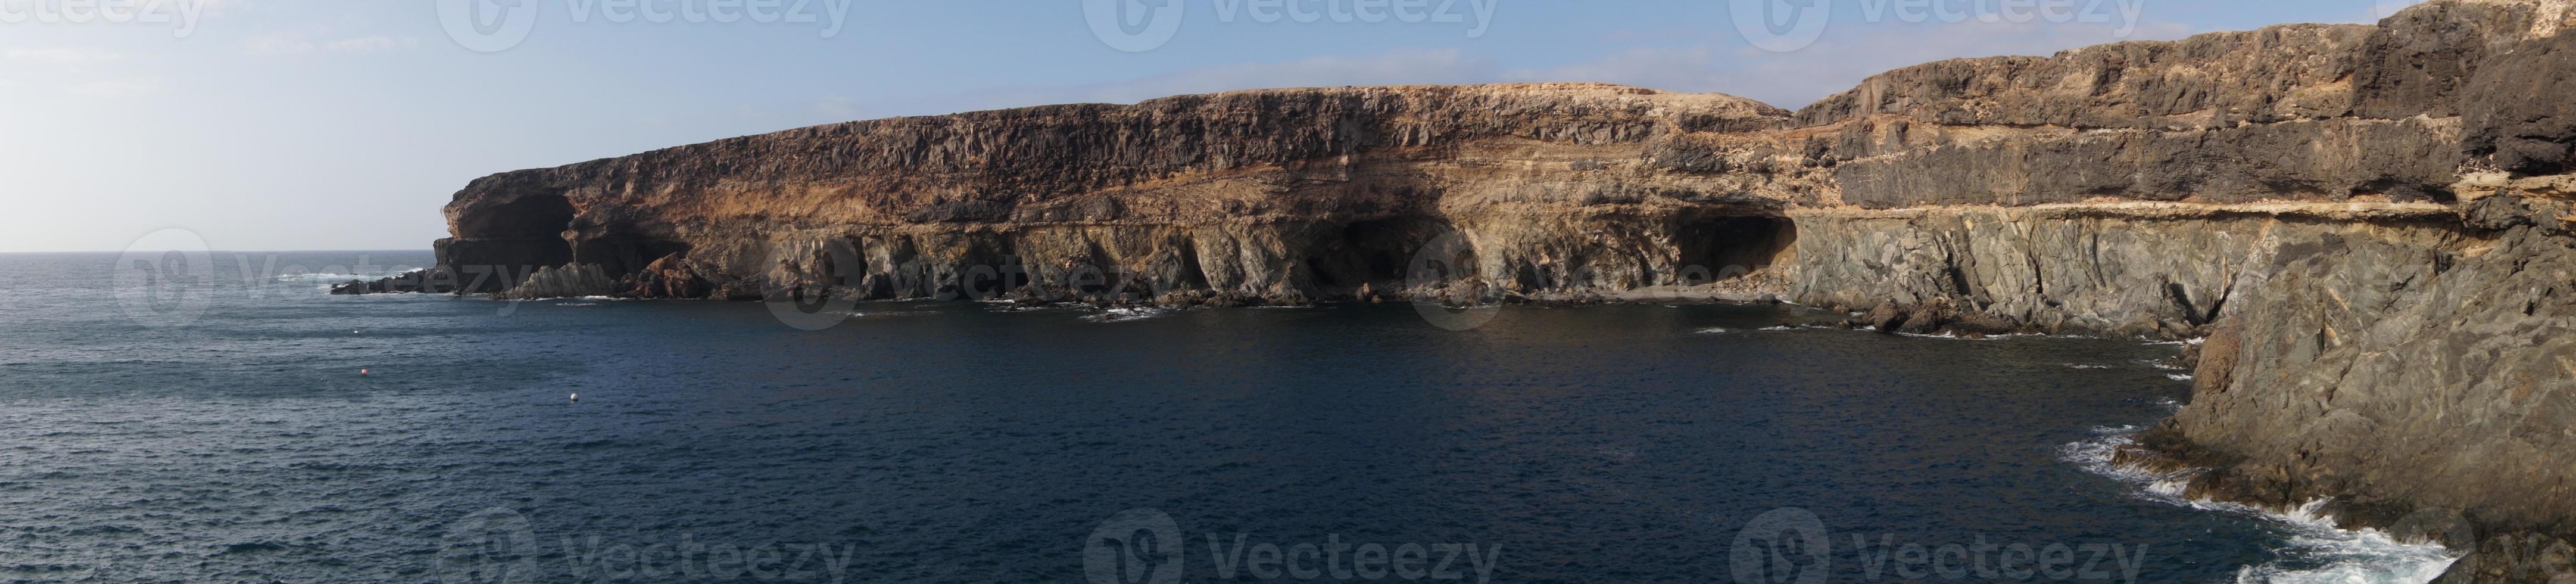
(2319, 552)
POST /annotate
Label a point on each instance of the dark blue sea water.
(930, 442)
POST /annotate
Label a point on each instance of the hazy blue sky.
(346, 124)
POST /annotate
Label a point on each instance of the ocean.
(228, 421)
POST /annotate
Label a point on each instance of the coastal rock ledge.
(2368, 225)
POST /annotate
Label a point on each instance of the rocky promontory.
(2369, 225)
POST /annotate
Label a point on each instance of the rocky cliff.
(1257, 196)
(2370, 225)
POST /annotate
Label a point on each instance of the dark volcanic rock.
(668, 277)
(2420, 59)
(2513, 115)
(2213, 80)
(426, 280)
(2406, 160)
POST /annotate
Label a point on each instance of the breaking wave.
(1128, 314)
(2318, 551)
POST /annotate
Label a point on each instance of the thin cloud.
(278, 45)
(61, 56)
(114, 88)
(840, 108)
(362, 45)
(73, 71)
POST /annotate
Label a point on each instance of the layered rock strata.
(1260, 196)
(2370, 225)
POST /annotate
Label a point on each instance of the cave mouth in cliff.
(1376, 253)
(1709, 248)
(1720, 248)
(499, 243)
(623, 254)
(531, 216)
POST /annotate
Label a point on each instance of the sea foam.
(2319, 552)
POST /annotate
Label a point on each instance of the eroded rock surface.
(1279, 195)
(2370, 225)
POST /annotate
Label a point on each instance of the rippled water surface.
(928, 442)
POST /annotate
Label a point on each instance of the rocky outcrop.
(1280, 195)
(2138, 269)
(2378, 254)
(2370, 225)
(2395, 373)
(2218, 80)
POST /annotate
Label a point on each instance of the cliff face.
(2369, 223)
(1277, 196)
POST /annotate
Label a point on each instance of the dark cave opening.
(622, 254)
(498, 247)
(1719, 248)
(1192, 276)
(1376, 253)
(1381, 253)
(532, 216)
(987, 270)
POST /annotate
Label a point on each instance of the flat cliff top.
(1183, 158)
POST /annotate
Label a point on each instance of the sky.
(270, 125)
